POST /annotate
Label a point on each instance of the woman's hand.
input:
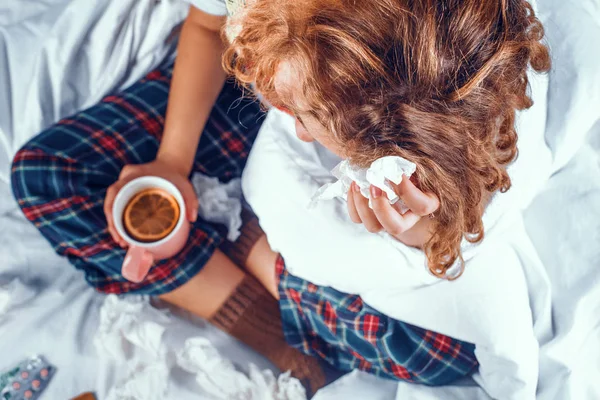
(410, 228)
(155, 168)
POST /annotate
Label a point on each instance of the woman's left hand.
(385, 216)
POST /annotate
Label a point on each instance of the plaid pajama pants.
(348, 334)
(60, 178)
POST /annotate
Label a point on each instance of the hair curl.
(437, 82)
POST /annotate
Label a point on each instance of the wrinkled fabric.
(61, 56)
(218, 376)
(132, 331)
(13, 294)
(220, 203)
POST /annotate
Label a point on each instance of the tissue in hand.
(381, 172)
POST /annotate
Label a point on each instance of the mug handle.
(136, 264)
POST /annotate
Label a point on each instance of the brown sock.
(252, 315)
(250, 232)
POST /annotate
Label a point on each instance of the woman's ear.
(302, 133)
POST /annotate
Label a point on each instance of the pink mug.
(141, 256)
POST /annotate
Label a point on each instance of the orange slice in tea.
(151, 215)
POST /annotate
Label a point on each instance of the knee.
(36, 175)
(26, 173)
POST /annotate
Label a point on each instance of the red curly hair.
(434, 81)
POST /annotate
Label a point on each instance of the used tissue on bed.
(218, 376)
(381, 172)
(132, 331)
(220, 203)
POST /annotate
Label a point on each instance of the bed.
(58, 56)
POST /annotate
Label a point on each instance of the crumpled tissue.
(128, 324)
(220, 202)
(381, 172)
(219, 378)
(144, 382)
(133, 331)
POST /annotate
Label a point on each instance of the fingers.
(383, 215)
(390, 219)
(127, 175)
(116, 237)
(420, 203)
(129, 170)
(109, 200)
(366, 215)
(189, 197)
(352, 207)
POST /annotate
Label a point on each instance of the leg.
(252, 252)
(261, 264)
(252, 314)
(205, 293)
(349, 334)
(61, 176)
(240, 305)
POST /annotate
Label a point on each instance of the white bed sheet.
(57, 56)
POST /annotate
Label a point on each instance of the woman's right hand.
(410, 228)
(155, 168)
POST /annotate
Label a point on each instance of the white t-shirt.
(217, 7)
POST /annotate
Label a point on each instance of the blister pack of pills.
(27, 380)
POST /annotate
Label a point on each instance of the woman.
(365, 79)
